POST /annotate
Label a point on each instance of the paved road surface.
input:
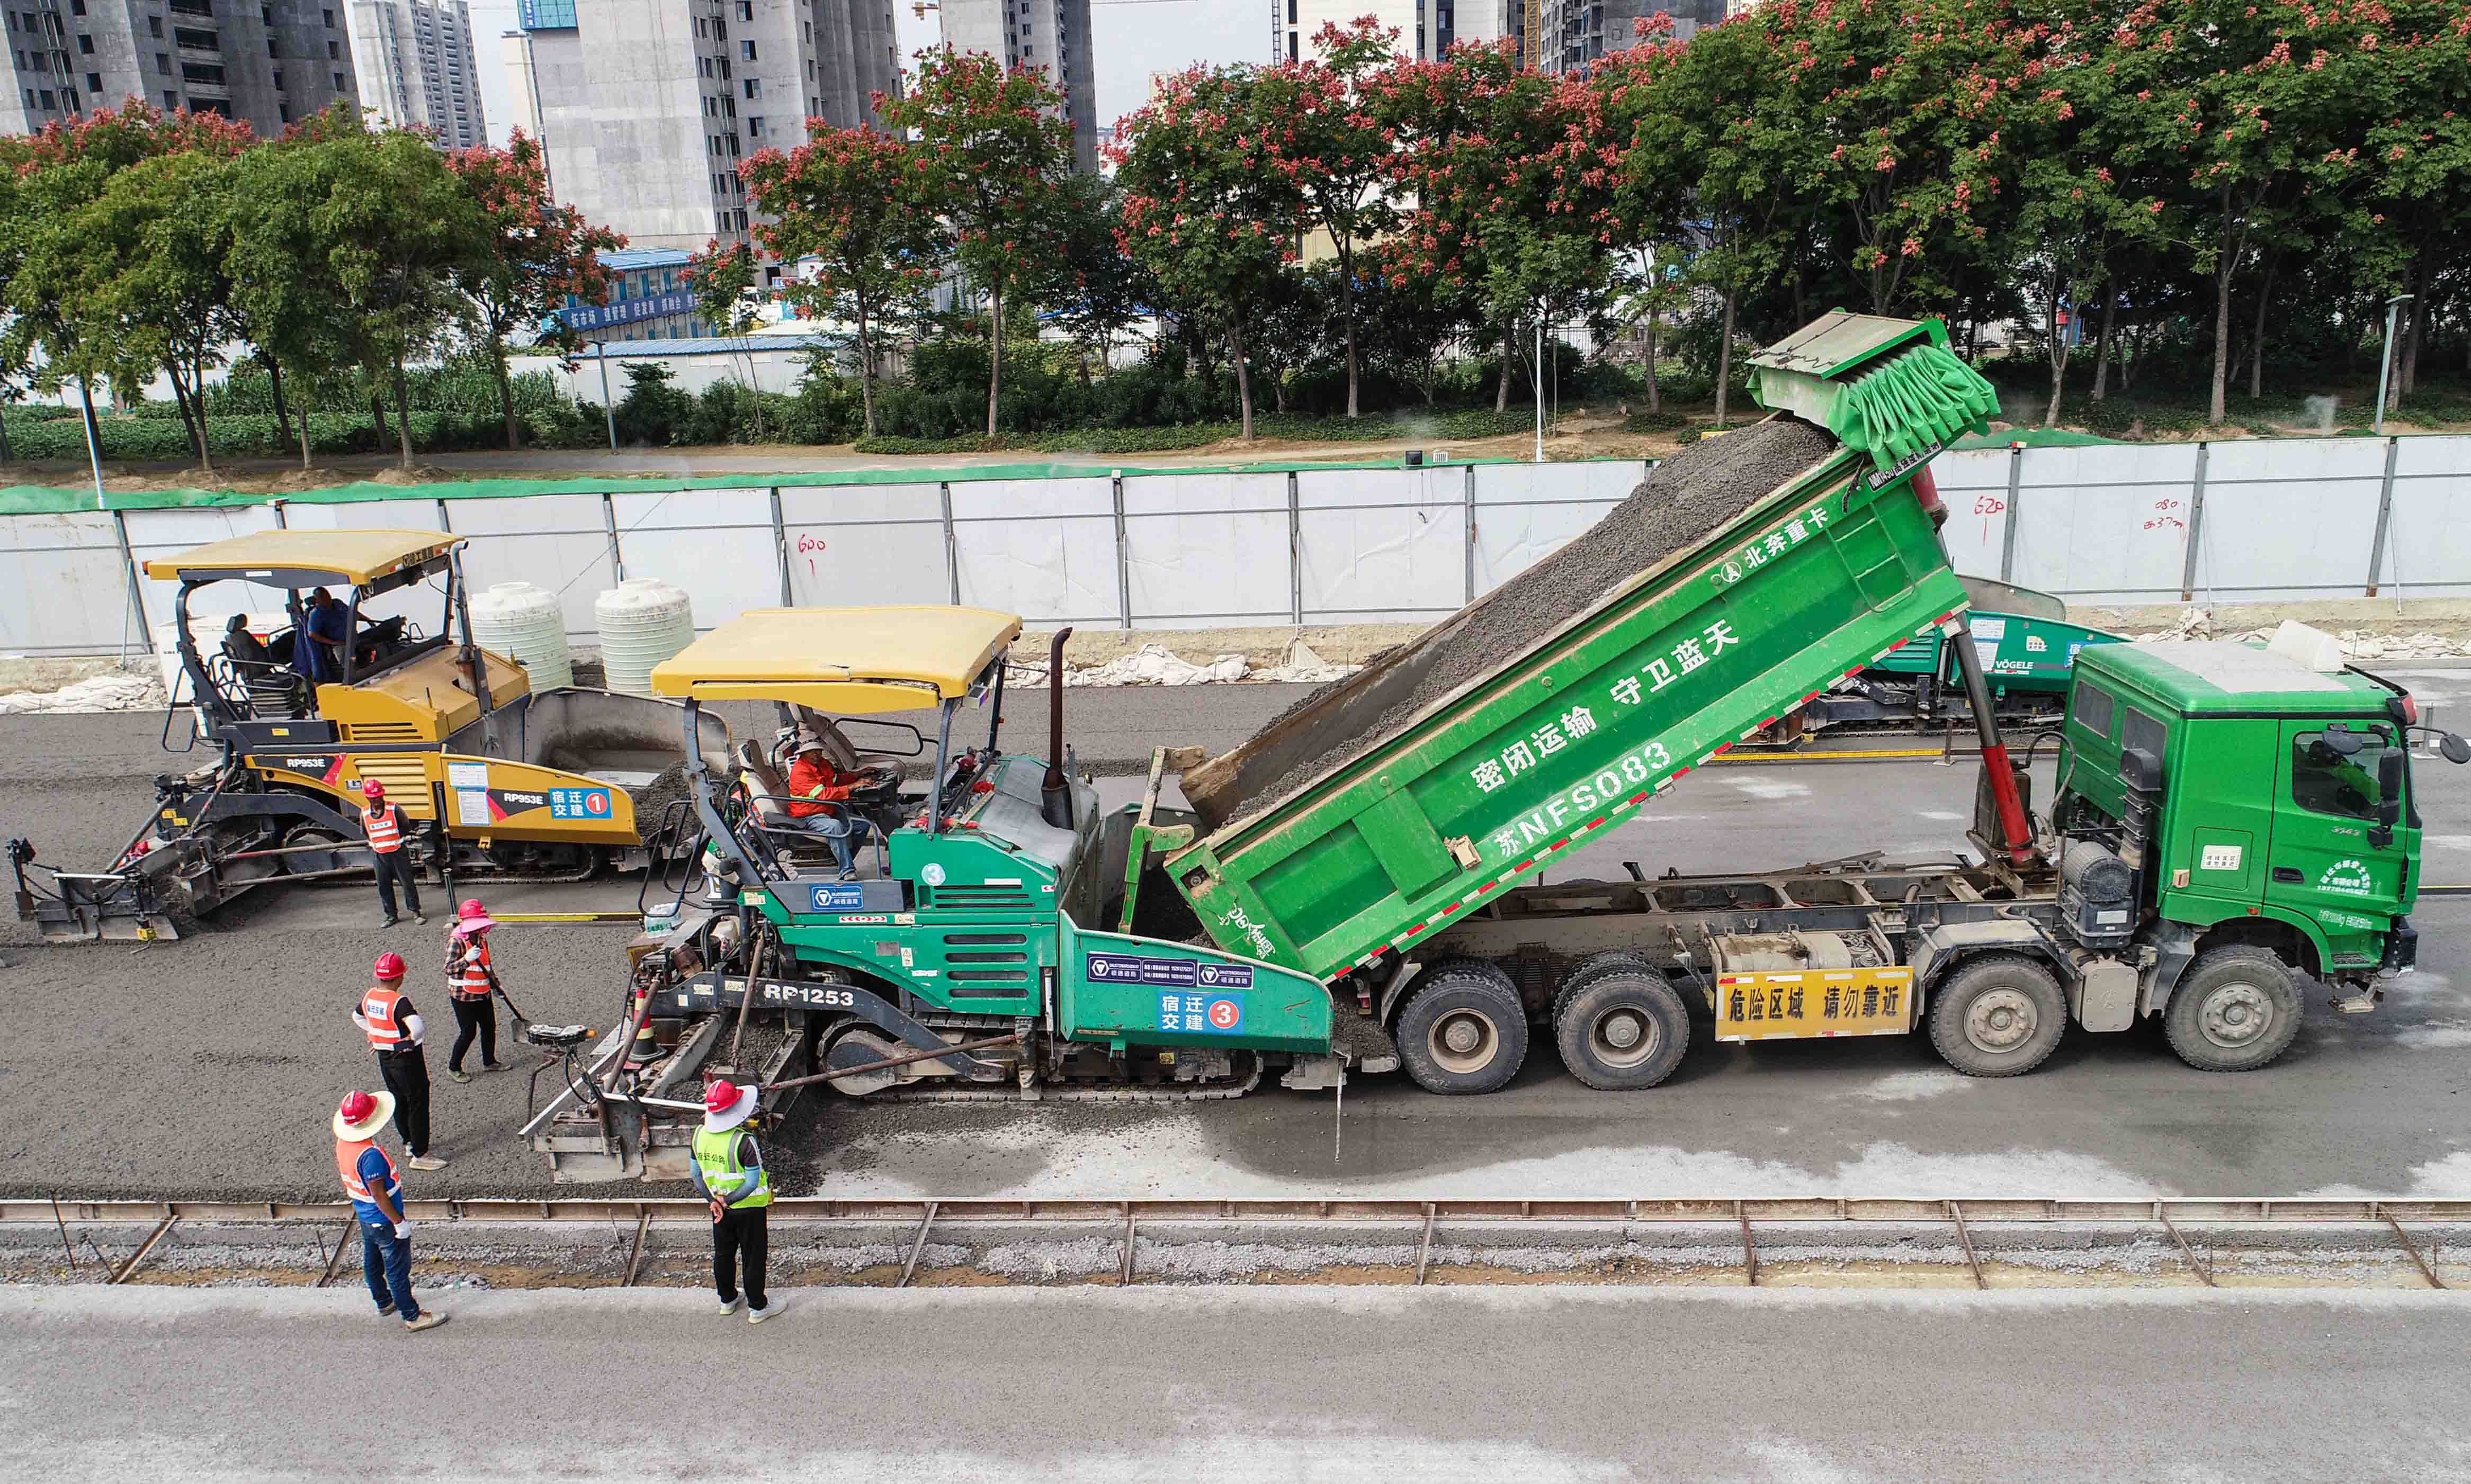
(244, 1028)
(1537, 1386)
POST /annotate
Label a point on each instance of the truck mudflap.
(1125, 989)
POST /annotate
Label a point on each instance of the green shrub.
(1663, 421)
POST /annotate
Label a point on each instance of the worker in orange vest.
(470, 981)
(395, 1031)
(376, 1193)
(386, 829)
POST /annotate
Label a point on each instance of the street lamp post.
(2385, 362)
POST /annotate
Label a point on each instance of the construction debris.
(96, 693)
(1156, 665)
(2196, 624)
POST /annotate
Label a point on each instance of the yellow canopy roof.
(846, 660)
(305, 558)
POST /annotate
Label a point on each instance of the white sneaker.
(758, 1316)
(732, 1307)
(426, 1161)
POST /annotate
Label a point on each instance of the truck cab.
(2262, 797)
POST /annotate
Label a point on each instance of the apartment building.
(1050, 35)
(416, 68)
(267, 62)
(1426, 29)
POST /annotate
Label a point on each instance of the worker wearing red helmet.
(395, 1031)
(388, 832)
(470, 981)
(729, 1171)
(376, 1194)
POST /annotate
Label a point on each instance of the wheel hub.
(2234, 1015)
(1464, 1040)
(1624, 1037)
(2001, 1020)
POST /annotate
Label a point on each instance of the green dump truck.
(1359, 887)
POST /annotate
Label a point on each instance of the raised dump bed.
(1746, 575)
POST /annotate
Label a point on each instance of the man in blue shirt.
(376, 1193)
(317, 651)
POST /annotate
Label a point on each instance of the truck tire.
(1464, 1029)
(1999, 1016)
(2236, 1009)
(1622, 1029)
(1593, 968)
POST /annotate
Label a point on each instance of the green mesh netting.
(1905, 404)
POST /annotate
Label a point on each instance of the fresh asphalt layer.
(227, 1051)
(1103, 1387)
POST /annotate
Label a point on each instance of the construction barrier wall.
(2251, 521)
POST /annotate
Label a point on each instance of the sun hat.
(362, 1115)
(726, 1106)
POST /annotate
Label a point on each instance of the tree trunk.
(403, 412)
(2224, 265)
(1347, 316)
(1243, 373)
(304, 436)
(506, 392)
(2058, 344)
(282, 412)
(865, 369)
(1654, 396)
(995, 353)
(188, 416)
(1502, 387)
(2101, 343)
(2256, 342)
(196, 374)
(93, 429)
(7, 455)
(1724, 357)
(377, 412)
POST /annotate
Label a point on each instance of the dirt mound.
(1684, 498)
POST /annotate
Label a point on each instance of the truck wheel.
(1464, 1029)
(1623, 1030)
(2235, 1010)
(1998, 1017)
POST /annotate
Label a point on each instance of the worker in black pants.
(395, 1031)
(388, 833)
(729, 1171)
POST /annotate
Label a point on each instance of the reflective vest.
(385, 825)
(382, 1010)
(348, 1164)
(467, 969)
(716, 1156)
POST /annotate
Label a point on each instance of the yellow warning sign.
(1813, 1003)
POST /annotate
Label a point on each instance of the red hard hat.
(471, 907)
(720, 1097)
(390, 966)
(356, 1107)
(372, 790)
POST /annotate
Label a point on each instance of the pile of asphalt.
(1683, 501)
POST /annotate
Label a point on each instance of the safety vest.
(716, 1156)
(348, 1164)
(385, 825)
(467, 970)
(382, 1011)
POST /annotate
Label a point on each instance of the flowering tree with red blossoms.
(996, 152)
(1202, 210)
(540, 252)
(851, 210)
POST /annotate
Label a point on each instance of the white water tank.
(526, 625)
(642, 620)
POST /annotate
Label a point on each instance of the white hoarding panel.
(1043, 549)
(556, 542)
(1383, 545)
(1973, 486)
(1203, 549)
(159, 533)
(1524, 510)
(2104, 521)
(715, 544)
(2428, 539)
(2287, 518)
(863, 545)
(66, 590)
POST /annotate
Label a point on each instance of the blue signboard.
(545, 15)
(1215, 1015)
(836, 897)
(600, 317)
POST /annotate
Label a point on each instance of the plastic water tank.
(524, 623)
(642, 620)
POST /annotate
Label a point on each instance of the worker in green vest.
(729, 1171)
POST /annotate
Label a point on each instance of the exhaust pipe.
(1055, 789)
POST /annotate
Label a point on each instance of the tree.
(852, 217)
(153, 276)
(2417, 147)
(1331, 147)
(295, 312)
(539, 253)
(997, 150)
(723, 279)
(1203, 213)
